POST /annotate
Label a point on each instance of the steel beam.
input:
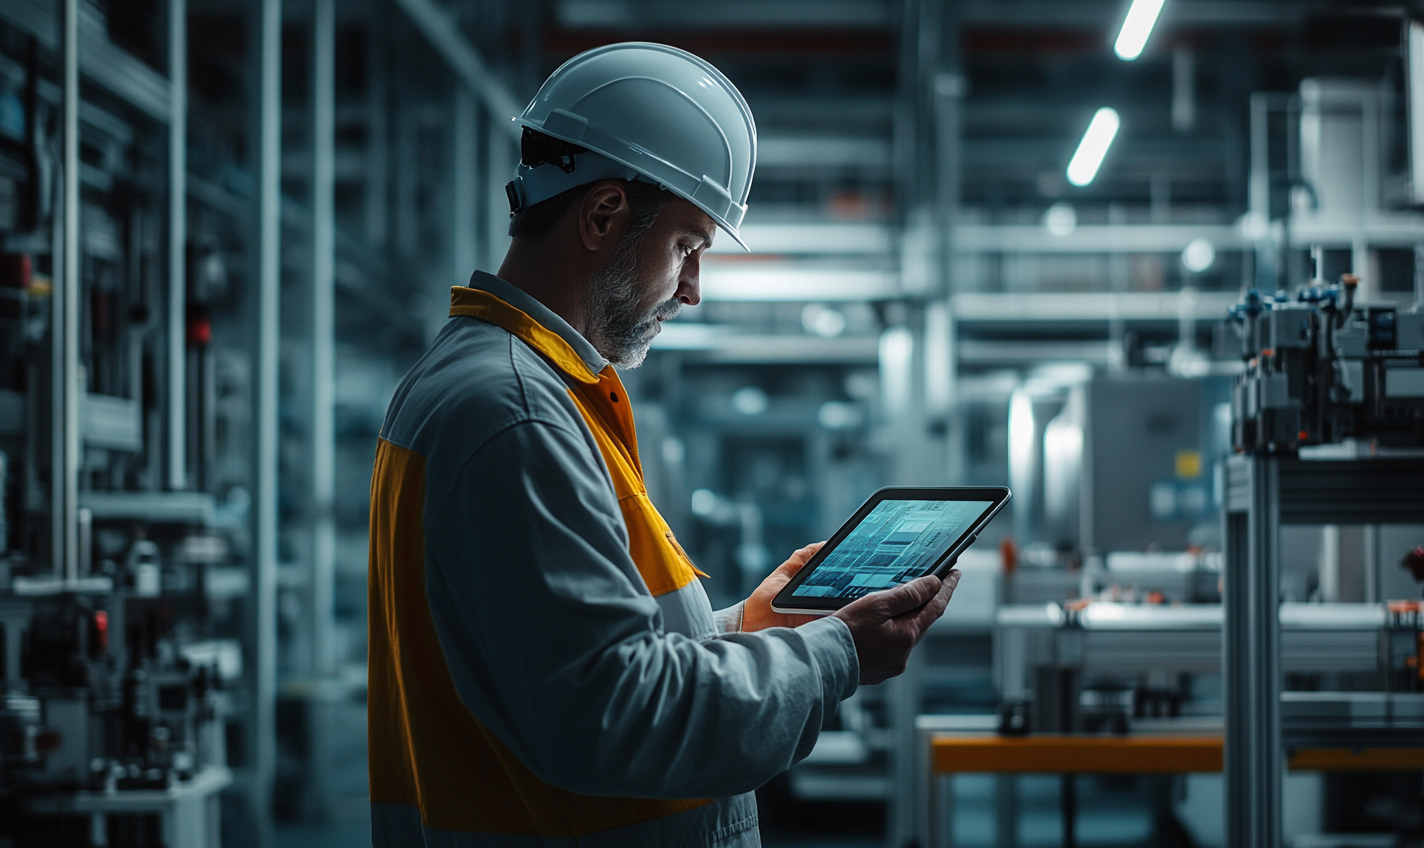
(377, 199)
(819, 152)
(781, 281)
(101, 61)
(177, 242)
(818, 238)
(464, 227)
(323, 337)
(786, 14)
(500, 157)
(733, 349)
(1067, 308)
(65, 366)
(443, 33)
(1094, 238)
(1251, 655)
(267, 225)
(1094, 13)
(1235, 673)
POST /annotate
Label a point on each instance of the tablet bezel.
(785, 602)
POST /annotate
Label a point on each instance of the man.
(545, 668)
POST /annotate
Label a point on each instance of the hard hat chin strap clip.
(511, 190)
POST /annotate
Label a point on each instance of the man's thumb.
(904, 598)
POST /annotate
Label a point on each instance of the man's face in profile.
(650, 276)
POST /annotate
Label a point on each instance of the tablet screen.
(897, 541)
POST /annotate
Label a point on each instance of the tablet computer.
(896, 536)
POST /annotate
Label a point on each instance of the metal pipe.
(66, 302)
(55, 425)
(1258, 187)
(177, 241)
(323, 308)
(904, 125)
(1419, 272)
(268, 132)
(465, 156)
(443, 33)
(500, 159)
(377, 197)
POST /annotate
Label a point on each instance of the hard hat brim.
(722, 223)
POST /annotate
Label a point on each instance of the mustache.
(668, 310)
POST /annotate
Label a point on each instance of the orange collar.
(474, 303)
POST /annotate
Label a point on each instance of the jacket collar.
(491, 299)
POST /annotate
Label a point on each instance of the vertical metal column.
(323, 309)
(177, 241)
(946, 93)
(1264, 692)
(1251, 656)
(1419, 270)
(268, 107)
(904, 124)
(902, 702)
(65, 370)
(1006, 810)
(1258, 190)
(501, 156)
(1235, 658)
(464, 233)
(377, 197)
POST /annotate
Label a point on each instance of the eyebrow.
(705, 235)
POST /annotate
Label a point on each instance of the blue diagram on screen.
(897, 541)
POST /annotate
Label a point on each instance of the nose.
(689, 281)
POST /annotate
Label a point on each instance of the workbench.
(949, 752)
(188, 810)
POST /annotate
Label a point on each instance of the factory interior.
(1157, 266)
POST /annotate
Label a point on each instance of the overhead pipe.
(443, 33)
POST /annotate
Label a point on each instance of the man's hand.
(757, 614)
(887, 625)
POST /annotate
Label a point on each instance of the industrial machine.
(1321, 368)
(1328, 423)
(121, 593)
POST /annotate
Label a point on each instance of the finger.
(798, 560)
(803, 556)
(932, 609)
(902, 599)
(922, 618)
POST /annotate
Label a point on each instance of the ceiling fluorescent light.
(1136, 27)
(1094, 146)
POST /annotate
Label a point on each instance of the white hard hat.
(658, 113)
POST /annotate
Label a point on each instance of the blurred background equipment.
(1155, 265)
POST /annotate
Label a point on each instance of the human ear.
(601, 213)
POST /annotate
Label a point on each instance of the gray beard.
(619, 324)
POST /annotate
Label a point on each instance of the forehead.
(680, 217)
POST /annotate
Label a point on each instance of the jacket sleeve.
(556, 646)
(729, 620)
